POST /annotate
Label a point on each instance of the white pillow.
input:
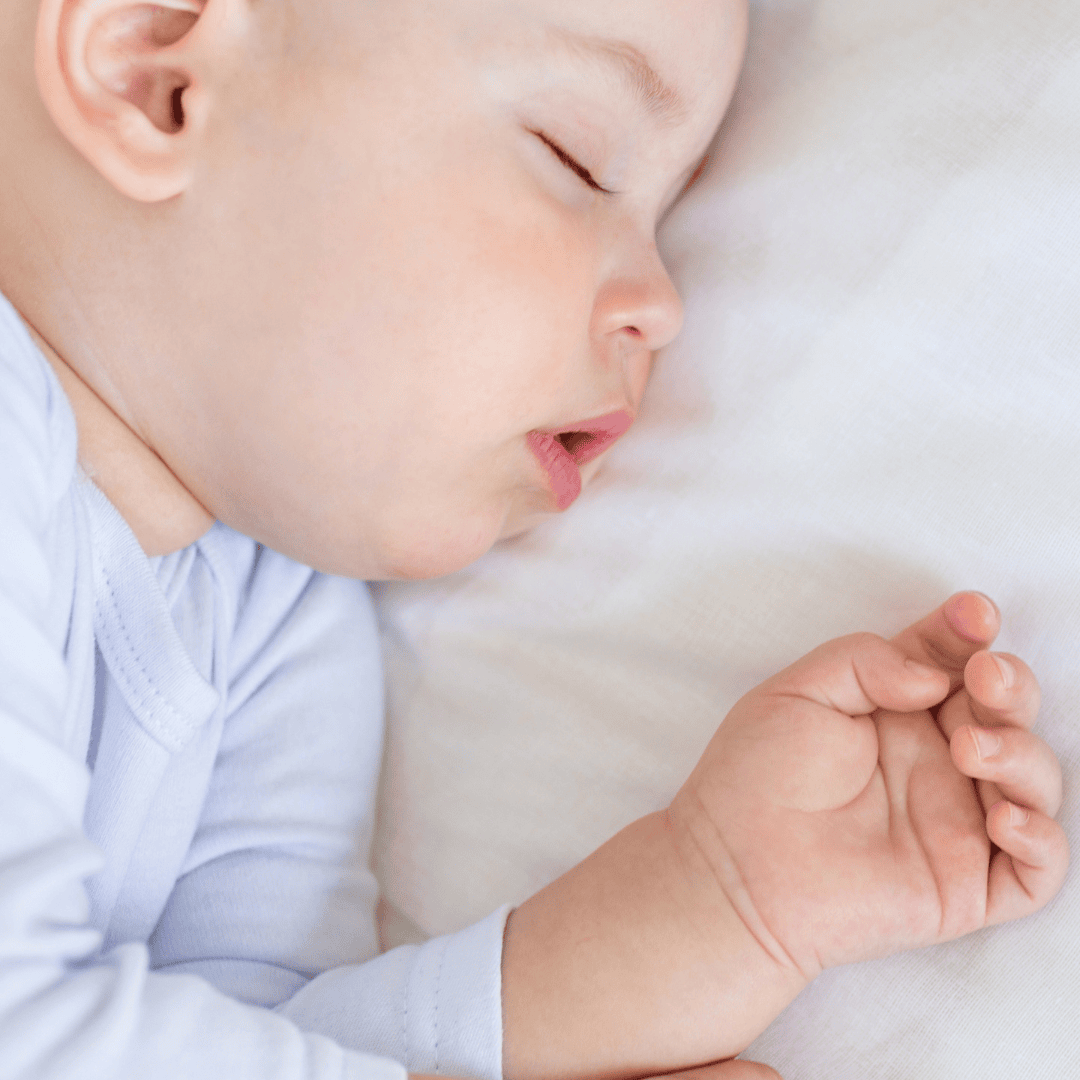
(875, 402)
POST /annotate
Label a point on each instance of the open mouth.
(562, 453)
(575, 442)
(588, 439)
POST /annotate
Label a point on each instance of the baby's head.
(348, 266)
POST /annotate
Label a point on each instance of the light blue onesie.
(189, 750)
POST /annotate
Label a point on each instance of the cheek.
(403, 331)
(503, 347)
(507, 286)
(468, 313)
(438, 287)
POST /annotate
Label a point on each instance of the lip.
(563, 465)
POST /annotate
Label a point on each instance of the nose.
(639, 301)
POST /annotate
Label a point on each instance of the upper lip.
(585, 440)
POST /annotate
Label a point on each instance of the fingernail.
(1018, 815)
(987, 744)
(993, 606)
(1008, 671)
(968, 615)
(920, 670)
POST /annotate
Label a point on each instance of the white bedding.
(875, 402)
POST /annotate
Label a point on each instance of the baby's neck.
(161, 512)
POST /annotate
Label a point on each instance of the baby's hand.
(846, 819)
(838, 814)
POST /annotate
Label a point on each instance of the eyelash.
(574, 166)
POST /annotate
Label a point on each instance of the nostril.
(576, 441)
(176, 107)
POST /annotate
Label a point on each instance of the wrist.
(633, 963)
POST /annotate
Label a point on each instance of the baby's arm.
(790, 849)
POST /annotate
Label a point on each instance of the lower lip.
(561, 468)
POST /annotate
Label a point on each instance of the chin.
(437, 553)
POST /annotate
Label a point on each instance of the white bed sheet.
(875, 402)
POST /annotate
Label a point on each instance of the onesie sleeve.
(434, 1006)
(275, 903)
(67, 1010)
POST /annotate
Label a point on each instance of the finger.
(1022, 766)
(726, 1070)
(948, 636)
(999, 689)
(860, 673)
(1003, 690)
(1030, 867)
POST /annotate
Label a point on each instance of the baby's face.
(430, 231)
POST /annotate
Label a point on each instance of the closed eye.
(574, 166)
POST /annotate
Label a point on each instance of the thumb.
(950, 635)
(860, 673)
(725, 1070)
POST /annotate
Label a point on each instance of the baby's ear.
(125, 82)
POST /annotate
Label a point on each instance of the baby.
(300, 295)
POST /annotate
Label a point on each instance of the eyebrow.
(632, 67)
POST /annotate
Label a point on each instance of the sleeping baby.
(301, 295)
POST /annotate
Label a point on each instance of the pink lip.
(563, 467)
